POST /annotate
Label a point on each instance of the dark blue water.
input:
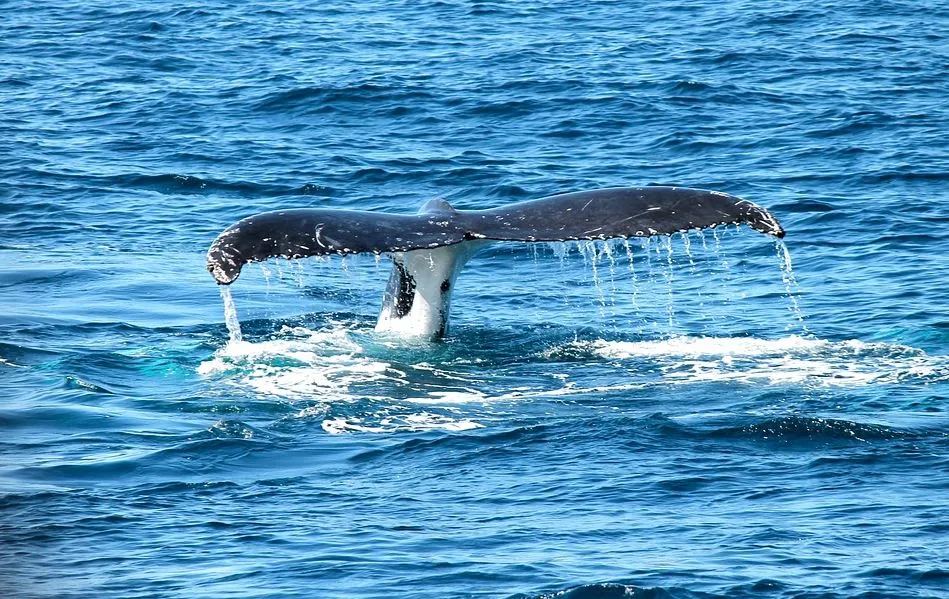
(679, 418)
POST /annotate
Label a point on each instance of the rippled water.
(681, 417)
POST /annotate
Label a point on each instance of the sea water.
(684, 418)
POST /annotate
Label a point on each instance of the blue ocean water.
(684, 417)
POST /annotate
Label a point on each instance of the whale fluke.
(429, 248)
(619, 212)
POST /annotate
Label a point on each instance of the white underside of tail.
(430, 270)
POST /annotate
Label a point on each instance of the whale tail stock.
(429, 248)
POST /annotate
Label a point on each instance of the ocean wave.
(315, 99)
(615, 590)
(794, 429)
(169, 183)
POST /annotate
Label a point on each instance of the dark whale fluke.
(429, 248)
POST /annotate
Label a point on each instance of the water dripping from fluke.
(429, 248)
(230, 316)
(791, 287)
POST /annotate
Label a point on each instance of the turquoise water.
(685, 417)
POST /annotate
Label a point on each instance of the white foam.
(299, 363)
(312, 411)
(331, 367)
(423, 421)
(451, 397)
(347, 389)
(791, 359)
(232, 429)
(705, 346)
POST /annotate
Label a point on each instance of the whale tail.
(430, 248)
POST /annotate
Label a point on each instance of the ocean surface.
(690, 417)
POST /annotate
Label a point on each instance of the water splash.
(789, 360)
(230, 316)
(335, 376)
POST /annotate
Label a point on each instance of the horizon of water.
(681, 417)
